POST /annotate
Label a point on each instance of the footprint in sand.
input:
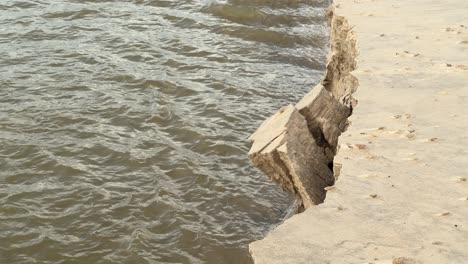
(406, 134)
(404, 116)
(456, 67)
(452, 30)
(409, 134)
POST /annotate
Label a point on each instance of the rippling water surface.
(123, 125)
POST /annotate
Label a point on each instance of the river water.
(124, 125)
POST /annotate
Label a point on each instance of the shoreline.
(401, 159)
(296, 146)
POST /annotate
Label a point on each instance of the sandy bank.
(403, 186)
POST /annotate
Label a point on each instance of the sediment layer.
(402, 193)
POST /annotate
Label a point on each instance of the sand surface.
(403, 188)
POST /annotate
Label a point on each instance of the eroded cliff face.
(404, 149)
(296, 146)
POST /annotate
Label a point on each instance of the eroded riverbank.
(401, 196)
(297, 145)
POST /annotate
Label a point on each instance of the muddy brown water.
(124, 125)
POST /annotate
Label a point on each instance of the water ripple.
(123, 125)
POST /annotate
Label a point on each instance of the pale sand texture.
(403, 194)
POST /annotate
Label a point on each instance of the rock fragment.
(285, 150)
